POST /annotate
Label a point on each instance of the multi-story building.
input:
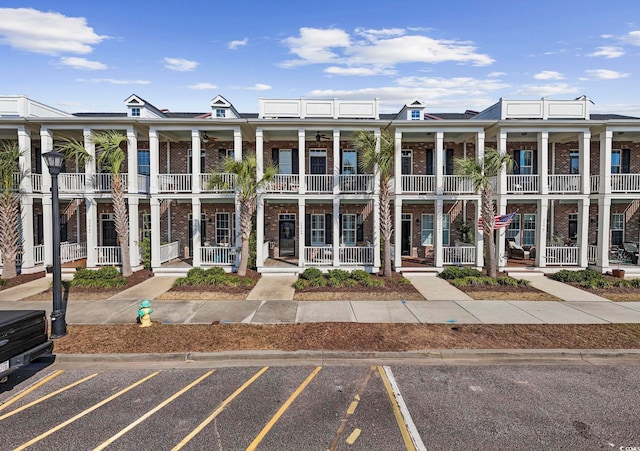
(575, 186)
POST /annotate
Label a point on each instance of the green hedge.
(107, 277)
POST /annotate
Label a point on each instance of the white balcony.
(284, 183)
(71, 182)
(72, 251)
(356, 255)
(356, 183)
(224, 183)
(595, 183)
(562, 255)
(174, 183)
(103, 183)
(457, 184)
(565, 183)
(319, 183)
(420, 184)
(169, 251)
(318, 255)
(218, 255)
(523, 183)
(36, 183)
(625, 183)
(108, 255)
(459, 255)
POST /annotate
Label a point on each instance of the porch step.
(280, 270)
(173, 272)
(426, 269)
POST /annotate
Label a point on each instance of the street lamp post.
(58, 323)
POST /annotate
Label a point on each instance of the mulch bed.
(211, 292)
(162, 338)
(22, 278)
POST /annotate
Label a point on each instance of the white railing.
(625, 183)
(16, 179)
(71, 182)
(217, 255)
(319, 183)
(174, 183)
(38, 254)
(356, 255)
(318, 255)
(562, 255)
(103, 183)
(458, 255)
(595, 183)
(592, 253)
(418, 183)
(143, 183)
(522, 183)
(283, 183)
(169, 251)
(457, 184)
(565, 183)
(72, 251)
(108, 255)
(218, 183)
(359, 183)
(36, 183)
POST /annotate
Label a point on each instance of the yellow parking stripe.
(152, 411)
(44, 398)
(219, 410)
(408, 443)
(282, 409)
(85, 412)
(30, 389)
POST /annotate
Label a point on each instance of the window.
(349, 226)
(63, 228)
(135, 112)
(145, 231)
(317, 230)
(221, 112)
(514, 229)
(446, 229)
(526, 162)
(223, 229)
(203, 155)
(349, 162)
(144, 162)
(529, 229)
(574, 162)
(285, 161)
(617, 229)
(426, 235)
(415, 115)
(616, 161)
(225, 153)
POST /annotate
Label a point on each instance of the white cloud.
(379, 48)
(82, 63)
(235, 44)
(203, 86)
(606, 74)
(49, 33)
(113, 81)
(548, 75)
(359, 71)
(496, 74)
(633, 38)
(259, 87)
(180, 65)
(548, 90)
(608, 52)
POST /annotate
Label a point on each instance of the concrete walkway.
(433, 288)
(26, 290)
(273, 287)
(558, 289)
(149, 289)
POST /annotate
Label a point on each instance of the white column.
(541, 232)
(301, 232)
(501, 139)
(26, 216)
(583, 232)
(439, 165)
(237, 144)
(302, 180)
(336, 161)
(24, 143)
(134, 234)
(47, 232)
(259, 153)
(196, 213)
(397, 162)
(195, 161)
(437, 233)
(604, 215)
(543, 161)
(479, 236)
(480, 146)
(500, 235)
(585, 160)
(336, 232)
(90, 165)
(46, 145)
(260, 258)
(92, 228)
(132, 160)
(154, 204)
(606, 142)
(154, 162)
(376, 234)
(397, 228)
(376, 179)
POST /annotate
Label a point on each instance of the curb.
(464, 356)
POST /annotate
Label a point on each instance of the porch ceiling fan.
(206, 138)
(320, 137)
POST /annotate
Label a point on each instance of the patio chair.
(516, 251)
(630, 252)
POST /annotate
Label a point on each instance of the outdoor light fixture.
(205, 137)
(54, 161)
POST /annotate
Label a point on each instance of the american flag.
(500, 221)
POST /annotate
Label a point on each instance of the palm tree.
(377, 157)
(247, 187)
(9, 208)
(481, 174)
(110, 156)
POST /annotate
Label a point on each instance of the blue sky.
(90, 56)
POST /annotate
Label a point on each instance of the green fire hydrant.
(144, 313)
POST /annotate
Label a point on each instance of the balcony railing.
(592, 253)
(217, 255)
(103, 183)
(73, 251)
(565, 183)
(319, 183)
(71, 182)
(284, 183)
(562, 255)
(108, 255)
(318, 255)
(422, 184)
(595, 184)
(625, 183)
(174, 183)
(36, 183)
(359, 183)
(220, 183)
(38, 254)
(143, 184)
(169, 251)
(457, 184)
(458, 255)
(522, 183)
(356, 255)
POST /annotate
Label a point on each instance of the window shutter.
(626, 161)
(294, 161)
(449, 162)
(307, 230)
(429, 162)
(360, 229)
(534, 158)
(516, 159)
(328, 229)
(358, 163)
(275, 156)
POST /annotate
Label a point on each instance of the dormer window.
(415, 115)
(220, 112)
(135, 112)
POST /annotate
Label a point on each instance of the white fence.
(458, 255)
(595, 183)
(418, 183)
(169, 251)
(71, 183)
(360, 183)
(224, 183)
(592, 253)
(36, 183)
(108, 255)
(174, 183)
(318, 255)
(562, 255)
(356, 255)
(625, 183)
(319, 183)
(284, 183)
(523, 183)
(217, 255)
(457, 184)
(565, 183)
(72, 251)
(38, 254)
(103, 183)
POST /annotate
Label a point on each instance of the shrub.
(583, 275)
(336, 282)
(404, 281)
(311, 274)
(107, 277)
(507, 281)
(300, 284)
(320, 282)
(635, 283)
(360, 275)
(338, 274)
(456, 272)
(3, 282)
(371, 282)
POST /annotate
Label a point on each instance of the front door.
(573, 227)
(287, 235)
(109, 237)
(318, 165)
(203, 231)
(406, 235)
